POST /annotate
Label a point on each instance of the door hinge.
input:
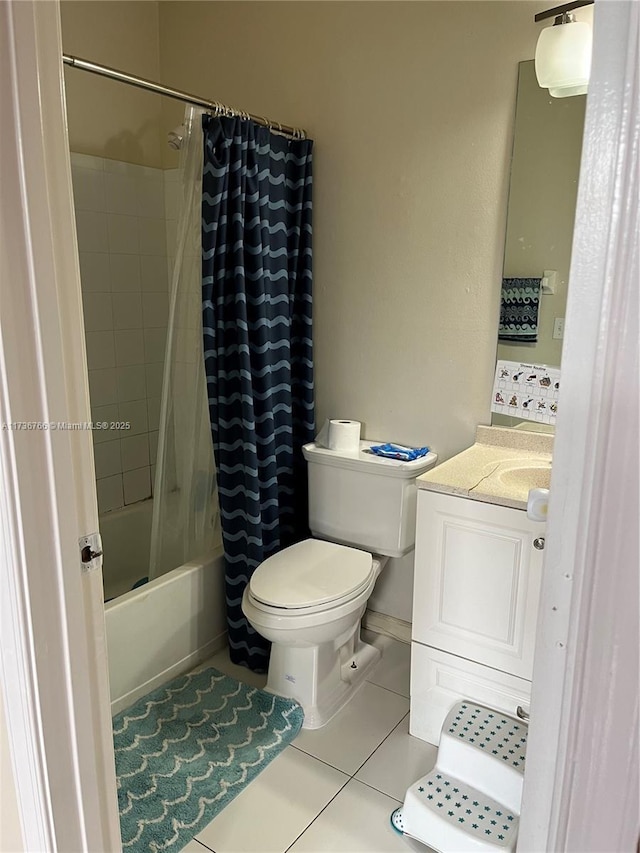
(90, 552)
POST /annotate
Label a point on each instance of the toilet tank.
(364, 500)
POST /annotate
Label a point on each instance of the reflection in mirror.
(542, 200)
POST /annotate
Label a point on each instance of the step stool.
(471, 799)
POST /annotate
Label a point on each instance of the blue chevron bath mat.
(187, 749)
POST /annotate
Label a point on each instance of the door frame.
(53, 660)
(581, 786)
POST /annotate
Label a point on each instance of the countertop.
(499, 468)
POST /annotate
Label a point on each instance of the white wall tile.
(171, 189)
(94, 272)
(171, 260)
(135, 412)
(131, 383)
(153, 445)
(127, 311)
(129, 345)
(120, 167)
(124, 273)
(88, 189)
(121, 210)
(123, 234)
(137, 485)
(86, 161)
(155, 310)
(106, 415)
(134, 451)
(154, 273)
(100, 350)
(102, 387)
(154, 376)
(153, 409)
(107, 459)
(150, 196)
(110, 494)
(92, 231)
(152, 237)
(153, 469)
(121, 194)
(96, 308)
(171, 231)
(154, 343)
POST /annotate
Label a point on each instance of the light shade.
(563, 58)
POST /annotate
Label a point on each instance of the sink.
(525, 477)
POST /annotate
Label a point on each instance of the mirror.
(542, 199)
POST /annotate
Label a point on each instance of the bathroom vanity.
(478, 570)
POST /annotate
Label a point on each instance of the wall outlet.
(558, 328)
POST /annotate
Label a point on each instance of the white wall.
(107, 118)
(411, 106)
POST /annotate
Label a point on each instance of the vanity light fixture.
(563, 52)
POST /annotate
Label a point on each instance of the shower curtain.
(185, 508)
(256, 291)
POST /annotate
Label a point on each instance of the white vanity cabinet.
(476, 590)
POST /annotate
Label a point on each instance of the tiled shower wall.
(122, 228)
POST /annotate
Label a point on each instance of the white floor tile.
(394, 669)
(221, 662)
(195, 847)
(356, 731)
(398, 762)
(276, 807)
(356, 821)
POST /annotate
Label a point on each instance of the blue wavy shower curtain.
(256, 292)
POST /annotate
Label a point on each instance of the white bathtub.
(164, 628)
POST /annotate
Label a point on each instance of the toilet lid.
(311, 573)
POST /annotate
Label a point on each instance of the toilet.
(309, 598)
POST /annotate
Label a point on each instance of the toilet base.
(321, 678)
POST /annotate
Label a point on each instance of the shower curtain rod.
(176, 94)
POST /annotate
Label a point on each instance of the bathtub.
(165, 627)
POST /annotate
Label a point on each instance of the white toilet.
(308, 599)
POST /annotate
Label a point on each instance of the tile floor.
(332, 789)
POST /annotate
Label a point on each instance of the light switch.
(548, 284)
(558, 328)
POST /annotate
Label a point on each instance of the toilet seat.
(310, 577)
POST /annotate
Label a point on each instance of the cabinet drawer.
(477, 581)
(439, 680)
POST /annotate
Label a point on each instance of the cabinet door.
(440, 680)
(477, 581)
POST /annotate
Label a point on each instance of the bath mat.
(186, 750)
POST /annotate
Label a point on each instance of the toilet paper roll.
(344, 435)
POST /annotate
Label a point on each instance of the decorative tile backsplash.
(126, 222)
